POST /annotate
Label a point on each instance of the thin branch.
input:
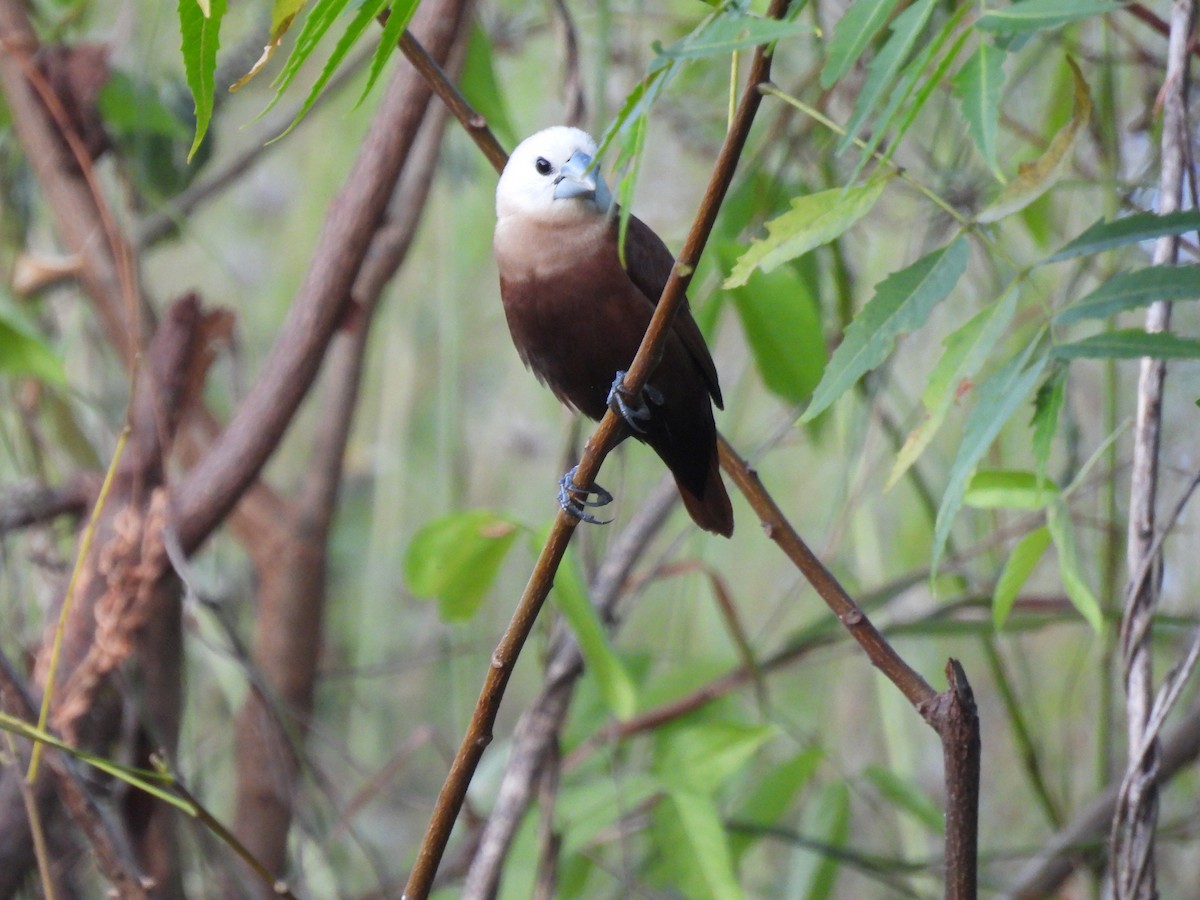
(1134, 826)
(209, 491)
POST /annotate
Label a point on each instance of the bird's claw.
(575, 500)
(633, 408)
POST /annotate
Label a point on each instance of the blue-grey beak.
(578, 177)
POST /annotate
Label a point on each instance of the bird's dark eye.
(543, 166)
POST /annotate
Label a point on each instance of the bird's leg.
(633, 408)
(574, 499)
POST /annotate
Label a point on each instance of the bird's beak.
(578, 177)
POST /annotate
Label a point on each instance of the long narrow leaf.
(318, 21)
(399, 17)
(997, 400)
(881, 73)
(977, 86)
(1131, 290)
(813, 220)
(902, 303)
(1130, 343)
(853, 32)
(1034, 15)
(1129, 230)
(201, 36)
(1035, 178)
(1020, 565)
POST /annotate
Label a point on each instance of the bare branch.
(1137, 814)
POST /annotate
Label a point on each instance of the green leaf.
(201, 38)
(730, 32)
(481, 87)
(851, 35)
(882, 70)
(813, 220)
(132, 108)
(1047, 406)
(1061, 530)
(318, 21)
(616, 685)
(828, 821)
(907, 796)
(693, 847)
(902, 303)
(966, 351)
(398, 18)
(977, 85)
(781, 317)
(23, 354)
(455, 560)
(1034, 15)
(1131, 229)
(703, 755)
(1130, 290)
(1017, 569)
(996, 400)
(1129, 343)
(364, 18)
(1009, 489)
(772, 796)
(283, 13)
(1035, 178)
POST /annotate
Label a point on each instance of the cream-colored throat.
(527, 248)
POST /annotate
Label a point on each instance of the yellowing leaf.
(1035, 178)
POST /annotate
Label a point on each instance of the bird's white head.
(552, 176)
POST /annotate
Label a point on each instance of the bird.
(577, 317)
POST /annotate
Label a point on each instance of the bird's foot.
(633, 408)
(575, 500)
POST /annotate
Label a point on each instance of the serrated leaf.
(616, 685)
(1034, 15)
(23, 354)
(977, 86)
(772, 796)
(398, 18)
(730, 32)
(1035, 178)
(782, 322)
(883, 69)
(1009, 489)
(996, 400)
(693, 846)
(1017, 569)
(1131, 290)
(813, 220)
(907, 796)
(854, 30)
(1047, 406)
(1129, 343)
(363, 19)
(318, 21)
(480, 86)
(966, 351)
(902, 303)
(1063, 532)
(703, 755)
(455, 559)
(201, 36)
(1129, 230)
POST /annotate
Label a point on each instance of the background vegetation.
(938, 396)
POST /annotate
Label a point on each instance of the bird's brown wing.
(649, 263)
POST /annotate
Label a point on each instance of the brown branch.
(1134, 825)
(272, 722)
(26, 505)
(209, 491)
(479, 732)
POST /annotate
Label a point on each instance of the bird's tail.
(711, 510)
